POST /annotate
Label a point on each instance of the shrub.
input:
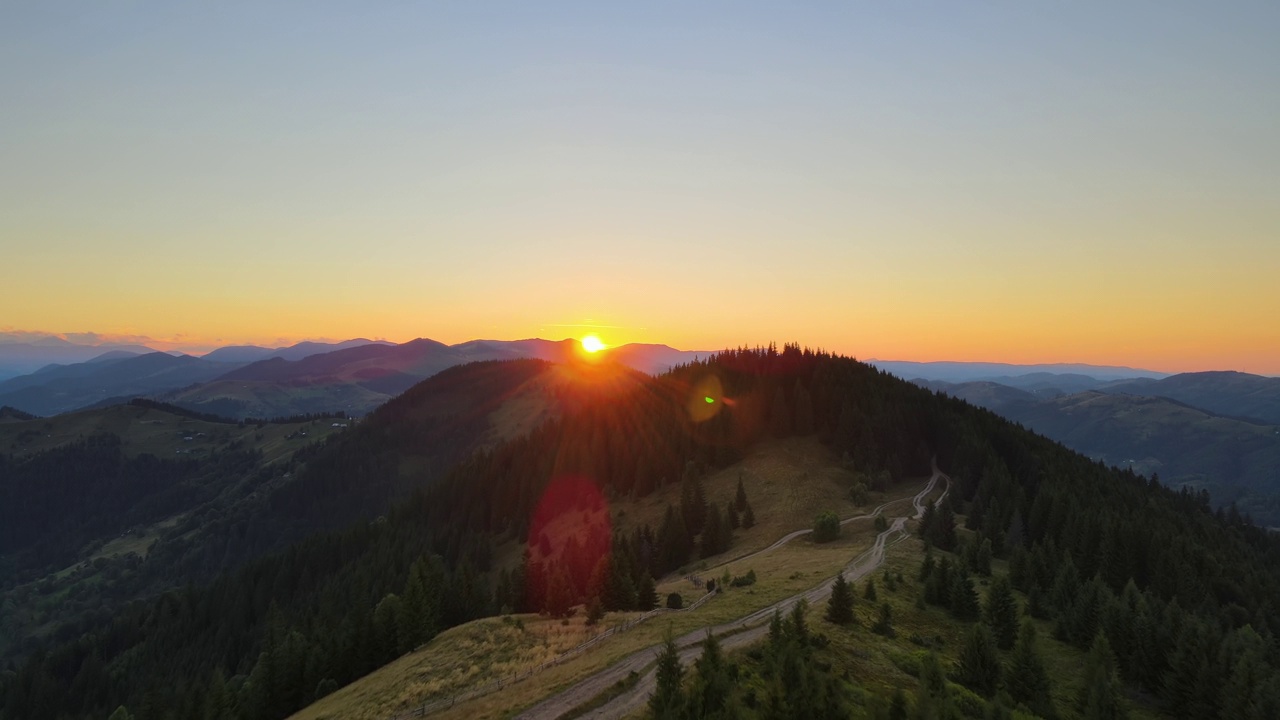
(674, 601)
(826, 527)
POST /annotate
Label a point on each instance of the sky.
(1001, 181)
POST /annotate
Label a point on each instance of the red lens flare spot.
(569, 540)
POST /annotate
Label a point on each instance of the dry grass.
(446, 666)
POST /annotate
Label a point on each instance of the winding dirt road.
(733, 635)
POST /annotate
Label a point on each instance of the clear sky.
(1003, 181)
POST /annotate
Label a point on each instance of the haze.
(1008, 182)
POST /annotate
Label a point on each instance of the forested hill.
(1186, 597)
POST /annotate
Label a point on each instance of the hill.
(1236, 461)
(297, 351)
(23, 353)
(1174, 587)
(354, 376)
(62, 388)
(84, 496)
(1234, 394)
(957, 372)
(359, 379)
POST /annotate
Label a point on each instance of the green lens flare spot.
(709, 400)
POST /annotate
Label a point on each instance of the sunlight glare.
(592, 344)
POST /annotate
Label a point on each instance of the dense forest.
(1186, 598)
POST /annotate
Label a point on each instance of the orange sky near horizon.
(1004, 183)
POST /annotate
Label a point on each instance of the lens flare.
(705, 399)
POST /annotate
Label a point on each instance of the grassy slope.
(785, 481)
(788, 482)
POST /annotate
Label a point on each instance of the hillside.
(1235, 460)
(1234, 394)
(195, 497)
(1090, 548)
(62, 388)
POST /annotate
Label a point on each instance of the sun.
(592, 344)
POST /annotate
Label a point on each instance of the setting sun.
(592, 344)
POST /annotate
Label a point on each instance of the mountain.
(254, 353)
(20, 354)
(968, 372)
(1237, 461)
(198, 495)
(358, 379)
(60, 388)
(625, 488)
(1226, 393)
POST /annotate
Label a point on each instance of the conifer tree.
(870, 592)
(1099, 697)
(667, 701)
(963, 599)
(979, 665)
(840, 604)
(709, 696)
(740, 497)
(731, 514)
(1025, 678)
(748, 518)
(647, 593)
(1001, 612)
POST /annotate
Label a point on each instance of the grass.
(421, 676)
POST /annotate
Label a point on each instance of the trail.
(733, 635)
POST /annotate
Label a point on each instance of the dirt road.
(733, 635)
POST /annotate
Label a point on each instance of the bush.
(674, 601)
(826, 527)
(744, 580)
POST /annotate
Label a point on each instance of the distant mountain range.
(1214, 430)
(1005, 373)
(20, 354)
(248, 381)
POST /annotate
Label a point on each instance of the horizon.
(177, 347)
(1021, 184)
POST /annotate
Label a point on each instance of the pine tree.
(748, 518)
(1099, 697)
(710, 695)
(963, 599)
(979, 665)
(667, 701)
(731, 514)
(944, 531)
(595, 610)
(714, 534)
(840, 604)
(647, 593)
(217, 700)
(1001, 612)
(1025, 678)
(797, 626)
(740, 497)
